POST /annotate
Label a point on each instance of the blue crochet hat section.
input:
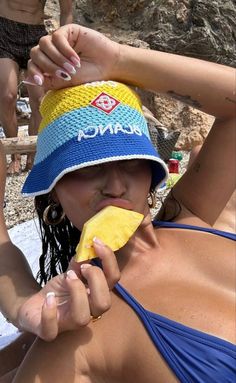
(84, 126)
(67, 158)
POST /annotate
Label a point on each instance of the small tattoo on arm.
(197, 167)
(185, 99)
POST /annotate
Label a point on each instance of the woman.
(172, 316)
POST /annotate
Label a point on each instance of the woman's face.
(84, 192)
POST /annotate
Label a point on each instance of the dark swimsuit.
(17, 39)
(193, 356)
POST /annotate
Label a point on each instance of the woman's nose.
(114, 182)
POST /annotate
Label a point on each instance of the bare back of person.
(29, 12)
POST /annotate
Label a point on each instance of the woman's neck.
(144, 240)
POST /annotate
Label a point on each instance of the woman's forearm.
(16, 280)
(204, 85)
(207, 86)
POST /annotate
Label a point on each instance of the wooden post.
(19, 145)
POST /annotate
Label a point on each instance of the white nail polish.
(63, 75)
(50, 298)
(38, 80)
(69, 68)
(50, 294)
(71, 274)
(76, 62)
(98, 241)
(26, 82)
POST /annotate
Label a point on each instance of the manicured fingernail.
(98, 241)
(69, 68)
(76, 61)
(38, 80)
(61, 74)
(85, 266)
(71, 274)
(26, 82)
(50, 299)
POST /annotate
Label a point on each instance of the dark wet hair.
(58, 243)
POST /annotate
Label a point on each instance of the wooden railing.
(20, 145)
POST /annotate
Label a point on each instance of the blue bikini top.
(193, 356)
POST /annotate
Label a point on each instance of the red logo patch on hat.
(105, 102)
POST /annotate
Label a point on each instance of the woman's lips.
(118, 202)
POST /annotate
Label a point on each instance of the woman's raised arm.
(207, 86)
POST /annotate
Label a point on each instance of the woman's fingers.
(83, 291)
(36, 76)
(75, 266)
(98, 291)
(50, 57)
(53, 66)
(54, 52)
(49, 324)
(49, 67)
(99, 281)
(79, 302)
(72, 55)
(109, 262)
(65, 40)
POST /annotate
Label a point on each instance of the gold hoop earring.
(52, 215)
(152, 201)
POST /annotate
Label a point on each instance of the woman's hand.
(71, 300)
(70, 56)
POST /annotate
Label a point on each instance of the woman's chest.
(142, 345)
(191, 280)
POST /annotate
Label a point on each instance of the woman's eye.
(131, 164)
(90, 170)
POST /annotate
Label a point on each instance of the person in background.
(172, 316)
(21, 25)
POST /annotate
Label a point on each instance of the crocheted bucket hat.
(86, 125)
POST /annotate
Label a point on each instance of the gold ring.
(94, 319)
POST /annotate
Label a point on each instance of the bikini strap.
(174, 225)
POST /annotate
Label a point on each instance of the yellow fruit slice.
(113, 225)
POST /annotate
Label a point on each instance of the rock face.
(197, 28)
(193, 125)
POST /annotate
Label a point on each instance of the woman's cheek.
(78, 211)
(75, 218)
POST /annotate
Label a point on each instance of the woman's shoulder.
(173, 214)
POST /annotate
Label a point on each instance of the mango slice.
(113, 225)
